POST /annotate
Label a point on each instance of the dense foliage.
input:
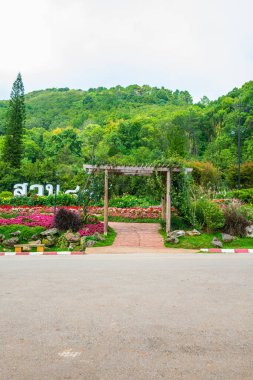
(133, 125)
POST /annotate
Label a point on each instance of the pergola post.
(163, 206)
(168, 203)
(106, 204)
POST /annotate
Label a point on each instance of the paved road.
(115, 317)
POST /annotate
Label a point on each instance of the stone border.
(41, 253)
(226, 250)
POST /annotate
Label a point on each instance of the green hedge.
(70, 200)
(246, 195)
(61, 200)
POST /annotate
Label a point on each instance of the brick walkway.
(137, 235)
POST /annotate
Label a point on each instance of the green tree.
(13, 149)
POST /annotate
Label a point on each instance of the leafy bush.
(67, 220)
(246, 175)
(205, 174)
(208, 215)
(6, 194)
(61, 200)
(235, 221)
(128, 200)
(246, 195)
(247, 210)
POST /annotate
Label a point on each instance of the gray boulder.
(49, 241)
(90, 243)
(227, 238)
(172, 239)
(249, 231)
(35, 237)
(72, 237)
(217, 243)
(193, 233)
(10, 242)
(177, 233)
(16, 233)
(51, 231)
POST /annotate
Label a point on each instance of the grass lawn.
(26, 232)
(204, 241)
(109, 239)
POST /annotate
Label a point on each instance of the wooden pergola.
(140, 171)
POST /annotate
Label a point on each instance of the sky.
(203, 46)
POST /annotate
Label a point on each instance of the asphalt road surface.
(126, 316)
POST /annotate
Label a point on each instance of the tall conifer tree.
(13, 146)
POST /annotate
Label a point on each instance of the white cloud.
(202, 46)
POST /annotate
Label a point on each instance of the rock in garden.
(177, 233)
(172, 239)
(249, 231)
(193, 233)
(49, 241)
(227, 238)
(35, 237)
(10, 242)
(216, 242)
(51, 231)
(90, 243)
(16, 233)
(72, 237)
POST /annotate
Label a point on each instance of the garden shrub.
(35, 200)
(207, 215)
(247, 210)
(245, 195)
(246, 175)
(205, 174)
(236, 221)
(128, 200)
(67, 220)
(6, 194)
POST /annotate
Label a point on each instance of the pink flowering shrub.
(91, 229)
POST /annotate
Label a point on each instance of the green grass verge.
(109, 239)
(26, 232)
(204, 241)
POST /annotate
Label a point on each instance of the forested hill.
(57, 108)
(133, 124)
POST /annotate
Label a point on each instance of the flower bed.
(91, 229)
(33, 216)
(131, 213)
(33, 220)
